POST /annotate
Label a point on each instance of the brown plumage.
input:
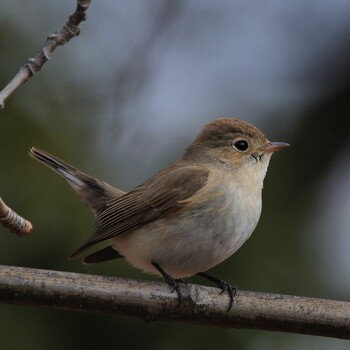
(158, 197)
(188, 217)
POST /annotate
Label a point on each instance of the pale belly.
(196, 240)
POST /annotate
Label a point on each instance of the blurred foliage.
(60, 118)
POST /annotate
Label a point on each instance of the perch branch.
(13, 221)
(34, 64)
(153, 301)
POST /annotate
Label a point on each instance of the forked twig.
(34, 64)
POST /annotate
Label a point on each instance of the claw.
(172, 282)
(224, 286)
(182, 281)
(176, 287)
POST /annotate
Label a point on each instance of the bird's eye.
(241, 145)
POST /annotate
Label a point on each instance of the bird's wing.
(160, 196)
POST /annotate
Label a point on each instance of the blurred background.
(127, 96)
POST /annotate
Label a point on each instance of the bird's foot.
(231, 291)
(224, 286)
(171, 281)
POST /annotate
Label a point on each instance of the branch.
(34, 64)
(153, 301)
(13, 221)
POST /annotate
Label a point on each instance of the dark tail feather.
(93, 192)
(102, 255)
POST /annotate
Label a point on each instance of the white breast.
(201, 237)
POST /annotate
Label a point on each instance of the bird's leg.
(171, 281)
(224, 286)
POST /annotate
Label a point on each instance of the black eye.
(241, 145)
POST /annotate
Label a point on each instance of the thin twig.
(153, 301)
(34, 64)
(13, 221)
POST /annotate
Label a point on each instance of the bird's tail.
(95, 193)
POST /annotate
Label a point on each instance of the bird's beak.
(274, 146)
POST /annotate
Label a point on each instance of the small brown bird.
(188, 217)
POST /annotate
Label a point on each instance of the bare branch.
(34, 64)
(13, 221)
(153, 301)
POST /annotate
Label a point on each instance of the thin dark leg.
(224, 286)
(171, 281)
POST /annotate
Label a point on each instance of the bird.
(188, 217)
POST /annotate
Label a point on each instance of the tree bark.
(153, 301)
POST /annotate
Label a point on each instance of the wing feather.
(158, 197)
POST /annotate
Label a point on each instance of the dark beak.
(274, 146)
